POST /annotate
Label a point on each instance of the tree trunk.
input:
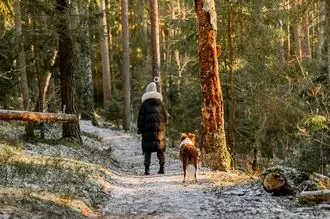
(7, 115)
(306, 46)
(145, 47)
(105, 56)
(297, 34)
(328, 36)
(68, 85)
(232, 89)
(87, 106)
(155, 43)
(320, 34)
(126, 73)
(288, 32)
(182, 9)
(21, 66)
(280, 47)
(110, 44)
(213, 140)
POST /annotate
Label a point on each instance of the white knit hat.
(151, 92)
(151, 87)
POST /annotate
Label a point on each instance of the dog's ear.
(183, 136)
(191, 136)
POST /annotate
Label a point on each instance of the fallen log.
(321, 180)
(314, 196)
(37, 116)
(280, 180)
(277, 184)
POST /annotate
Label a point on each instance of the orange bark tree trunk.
(212, 134)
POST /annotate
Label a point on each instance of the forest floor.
(104, 179)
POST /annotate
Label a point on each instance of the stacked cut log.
(314, 196)
(277, 184)
(281, 180)
(322, 180)
(275, 181)
(318, 195)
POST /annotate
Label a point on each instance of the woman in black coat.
(152, 125)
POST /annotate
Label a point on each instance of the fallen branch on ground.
(314, 196)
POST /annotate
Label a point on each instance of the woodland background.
(274, 68)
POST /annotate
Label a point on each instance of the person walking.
(152, 125)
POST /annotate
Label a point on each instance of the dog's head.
(191, 136)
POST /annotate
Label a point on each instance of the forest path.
(216, 194)
(158, 195)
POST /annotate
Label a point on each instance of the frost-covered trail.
(216, 194)
(158, 196)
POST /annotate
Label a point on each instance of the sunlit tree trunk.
(306, 46)
(213, 139)
(125, 73)
(280, 43)
(145, 47)
(105, 56)
(68, 85)
(320, 34)
(288, 33)
(297, 35)
(182, 9)
(155, 42)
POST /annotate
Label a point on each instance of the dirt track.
(215, 195)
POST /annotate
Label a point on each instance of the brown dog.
(188, 153)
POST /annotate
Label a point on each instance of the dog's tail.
(186, 153)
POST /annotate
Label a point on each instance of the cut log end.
(277, 184)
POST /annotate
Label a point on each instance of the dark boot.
(161, 169)
(146, 169)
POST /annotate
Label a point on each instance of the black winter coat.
(152, 124)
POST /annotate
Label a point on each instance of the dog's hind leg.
(196, 169)
(184, 167)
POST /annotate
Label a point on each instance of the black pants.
(160, 156)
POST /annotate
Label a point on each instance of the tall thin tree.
(328, 36)
(105, 56)
(21, 66)
(297, 34)
(306, 45)
(85, 52)
(232, 84)
(155, 42)
(68, 85)
(213, 140)
(125, 73)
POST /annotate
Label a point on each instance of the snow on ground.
(124, 192)
(215, 195)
